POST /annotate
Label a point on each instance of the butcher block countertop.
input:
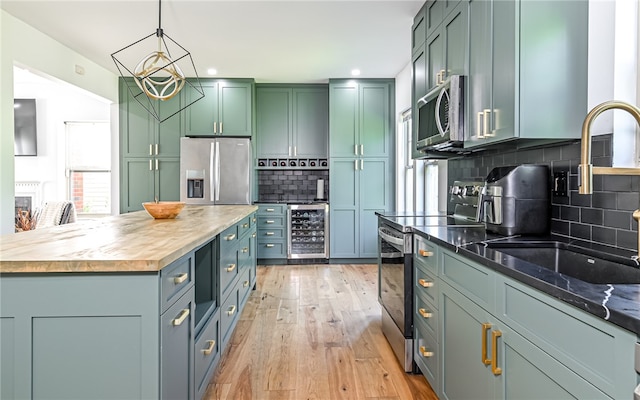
(133, 242)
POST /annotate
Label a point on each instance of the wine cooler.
(308, 231)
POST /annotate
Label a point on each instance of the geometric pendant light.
(157, 71)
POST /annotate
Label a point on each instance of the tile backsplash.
(290, 185)
(603, 217)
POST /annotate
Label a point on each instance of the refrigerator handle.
(211, 171)
(217, 170)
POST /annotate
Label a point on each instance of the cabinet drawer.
(476, 281)
(426, 284)
(176, 279)
(271, 209)
(245, 251)
(229, 235)
(426, 254)
(272, 250)
(244, 285)
(271, 221)
(264, 235)
(207, 350)
(426, 313)
(426, 354)
(228, 271)
(228, 314)
(244, 226)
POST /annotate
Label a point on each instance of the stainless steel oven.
(395, 280)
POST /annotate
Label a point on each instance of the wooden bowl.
(163, 209)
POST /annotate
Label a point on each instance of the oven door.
(395, 275)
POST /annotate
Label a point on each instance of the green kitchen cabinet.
(272, 231)
(145, 179)
(436, 11)
(519, 53)
(360, 175)
(292, 121)
(419, 30)
(446, 46)
(225, 110)
(509, 340)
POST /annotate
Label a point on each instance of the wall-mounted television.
(25, 127)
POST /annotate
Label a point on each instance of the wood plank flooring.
(313, 332)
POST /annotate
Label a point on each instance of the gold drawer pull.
(253, 220)
(245, 225)
(245, 249)
(245, 284)
(232, 310)
(425, 283)
(253, 235)
(269, 221)
(425, 253)
(494, 352)
(269, 245)
(183, 315)
(425, 353)
(425, 313)
(269, 233)
(210, 347)
(231, 267)
(485, 328)
(230, 237)
(180, 278)
(270, 210)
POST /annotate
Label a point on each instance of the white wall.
(23, 45)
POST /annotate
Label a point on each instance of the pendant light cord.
(159, 31)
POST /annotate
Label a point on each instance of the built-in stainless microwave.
(441, 117)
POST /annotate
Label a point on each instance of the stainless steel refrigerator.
(215, 171)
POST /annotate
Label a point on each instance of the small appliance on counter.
(516, 200)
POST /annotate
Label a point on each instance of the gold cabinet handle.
(232, 310)
(425, 283)
(215, 127)
(180, 278)
(487, 120)
(270, 210)
(156, 148)
(150, 165)
(245, 284)
(494, 352)
(269, 245)
(231, 267)
(355, 149)
(253, 220)
(485, 328)
(245, 225)
(230, 237)
(220, 127)
(269, 221)
(479, 124)
(253, 235)
(355, 164)
(157, 162)
(425, 353)
(245, 249)
(425, 313)
(183, 315)
(361, 164)
(210, 347)
(150, 149)
(425, 253)
(269, 233)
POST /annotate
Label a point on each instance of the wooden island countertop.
(133, 242)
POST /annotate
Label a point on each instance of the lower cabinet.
(206, 353)
(272, 231)
(497, 338)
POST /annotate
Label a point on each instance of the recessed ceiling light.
(355, 72)
(212, 71)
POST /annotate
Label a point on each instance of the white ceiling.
(271, 41)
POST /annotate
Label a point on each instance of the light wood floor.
(313, 332)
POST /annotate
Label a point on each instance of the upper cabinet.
(527, 70)
(226, 109)
(292, 121)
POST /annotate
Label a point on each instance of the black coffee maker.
(516, 200)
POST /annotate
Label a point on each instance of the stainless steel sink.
(577, 262)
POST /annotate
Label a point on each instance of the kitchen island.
(124, 307)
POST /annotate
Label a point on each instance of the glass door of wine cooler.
(308, 231)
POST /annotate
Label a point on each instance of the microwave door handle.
(442, 130)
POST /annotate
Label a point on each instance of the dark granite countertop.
(616, 303)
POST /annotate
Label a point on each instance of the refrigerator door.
(232, 171)
(196, 170)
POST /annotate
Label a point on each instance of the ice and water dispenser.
(195, 184)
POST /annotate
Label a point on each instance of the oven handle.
(390, 238)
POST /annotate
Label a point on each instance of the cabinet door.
(504, 72)
(273, 120)
(480, 71)
(167, 180)
(344, 123)
(419, 30)
(435, 13)
(170, 131)
(176, 341)
(137, 126)
(375, 120)
(435, 58)
(464, 374)
(234, 108)
(419, 89)
(201, 116)
(344, 225)
(311, 122)
(455, 30)
(375, 196)
(136, 184)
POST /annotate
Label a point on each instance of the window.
(88, 166)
